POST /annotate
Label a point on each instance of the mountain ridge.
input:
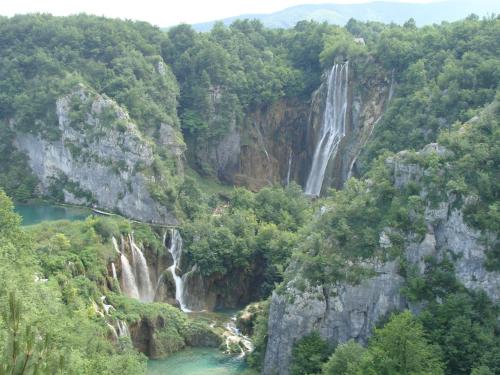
(382, 11)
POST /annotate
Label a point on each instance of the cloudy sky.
(161, 12)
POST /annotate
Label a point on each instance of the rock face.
(338, 312)
(219, 293)
(260, 149)
(157, 337)
(99, 157)
(275, 144)
(447, 233)
(342, 311)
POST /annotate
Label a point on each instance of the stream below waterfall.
(202, 361)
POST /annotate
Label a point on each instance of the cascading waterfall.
(113, 331)
(113, 270)
(129, 284)
(135, 278)
(175, 250)
(141, 271)
(236, 337)
(122, 328)
(391, 88)
(289, 169)
(115, 245)
(333, 129)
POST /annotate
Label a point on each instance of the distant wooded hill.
(382, 11)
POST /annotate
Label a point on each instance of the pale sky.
(161, 12)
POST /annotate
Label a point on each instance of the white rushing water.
(333, 128)
(289, 169)
(141, 270)
(175, 250)
(113, 271)
(122, 328)
(135, 277)
(236, 337)
(129, 284)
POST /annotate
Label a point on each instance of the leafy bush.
(308, 355)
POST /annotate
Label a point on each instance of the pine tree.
(26, 351)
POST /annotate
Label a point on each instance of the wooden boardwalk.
(160, 225)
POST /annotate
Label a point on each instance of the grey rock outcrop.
(98, 159)
(447, 232)
(342, 311)
(338, 312)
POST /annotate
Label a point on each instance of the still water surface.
(197, 361)
(34, 213)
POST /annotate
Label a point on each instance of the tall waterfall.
(333, 129)
(176, 250)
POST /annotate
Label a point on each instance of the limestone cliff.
(264, 148)
(275, 144)
(100, 157)
(343, 311)
(219, 292)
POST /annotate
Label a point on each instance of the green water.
(34, 213)
(197, 361)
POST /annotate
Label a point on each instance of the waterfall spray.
(136, 282)
(122, 328)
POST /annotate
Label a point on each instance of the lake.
(34, 213)
(197, 361)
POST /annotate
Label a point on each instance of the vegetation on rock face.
(463, 323)
(43, 56)
(399, 348)
(460, 324)
(308, 354)
(441, 74)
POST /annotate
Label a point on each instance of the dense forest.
(440, 125)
